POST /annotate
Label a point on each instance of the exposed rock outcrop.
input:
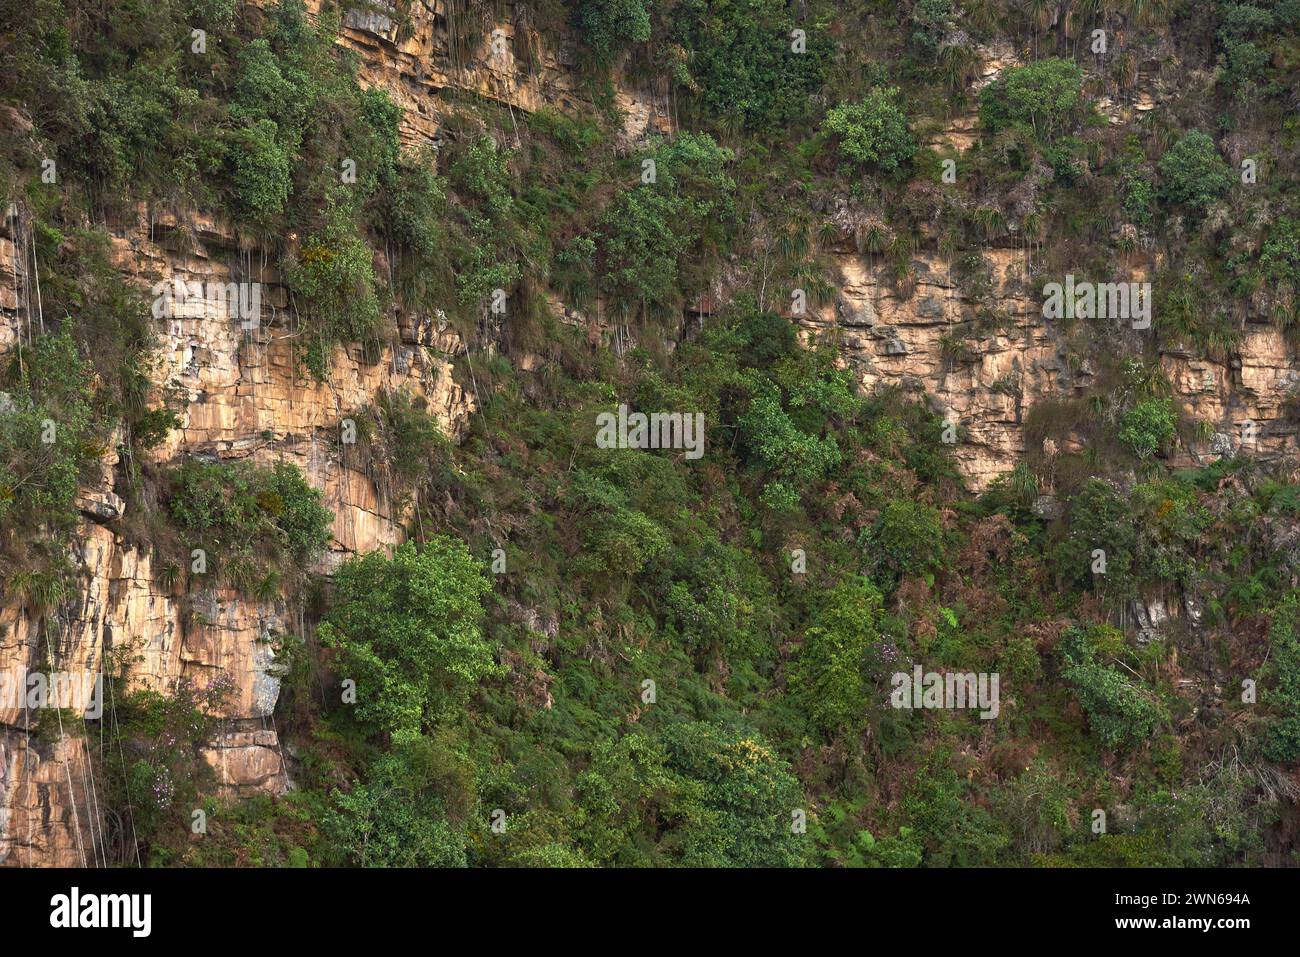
(984, 370)
(980, 376)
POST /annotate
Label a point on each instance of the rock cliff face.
(46, 815)
(985, 375)
(1247, 399)
(245, 397)
(429, 49)
(981, 379)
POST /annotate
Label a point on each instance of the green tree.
(1099, 518)
(792, 458)
(652, 229)
(262, 92)
(409, 632)
(397, 816)
(1281, 741)
(873, 134)
(1193, 174)
(737, 794)
(699, 794)
(1279, 257)
(907, 538)
(932, 19)
(259, 173)
(1044, 97)
(741, 66)
(489, 254)
(610, 26)
(617, 538)
(47, 431)
(831, 675)
(1121, 712)
(1148, 427)
(1244, 62)
(625, 785)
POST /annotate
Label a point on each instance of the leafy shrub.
(830, 677)
(416, 204)
(332, 279)
(1281, 740)
(1067, 156)
(257, 526)
(1148, 427)
(409, 632)
(1139, 193)
(1043, 97)
(792, 458)
(651, 229)
(259, 172)
(483, 171)
(625, 783)
(1192, 173)
(397, 817)
(788, 426)
(872, 134)
(721, 795)
(1099, 518)
(1279, 256)
(951, 832)
(1170, 522)
(487, 258)
(610, 26)
(738, 794)
(401, 441)
(1121, 712)
(1241, 24)
(49, 393)
(617, 538)
(932, 20)
(907, 538)
(741, 66)
(765, 338)
(900, 850)
(1037, 803)
(263, 92)
(163, 780)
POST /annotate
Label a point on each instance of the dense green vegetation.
(586, 656)
(254, 525)
(872, 134)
